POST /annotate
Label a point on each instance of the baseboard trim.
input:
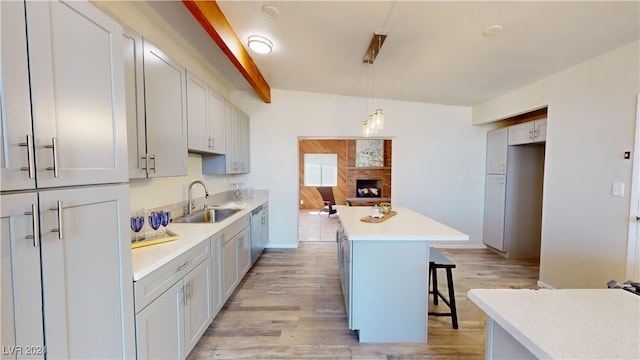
(281, 246)
(458, 246)
(544, 285)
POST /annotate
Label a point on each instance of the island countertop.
(566, 324)
(406, 225)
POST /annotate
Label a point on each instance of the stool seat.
(439, 261)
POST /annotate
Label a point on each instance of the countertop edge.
(165, 252)
(578, 308)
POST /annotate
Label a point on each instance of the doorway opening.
(357, 160)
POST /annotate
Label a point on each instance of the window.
(320, 169)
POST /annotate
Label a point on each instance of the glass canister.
(237, 190)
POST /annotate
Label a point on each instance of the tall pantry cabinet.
(513, 192)
(65, 251)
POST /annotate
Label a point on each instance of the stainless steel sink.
(210, 215)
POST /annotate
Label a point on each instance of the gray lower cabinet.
(235, 255)
(174, 305)
(344, 265)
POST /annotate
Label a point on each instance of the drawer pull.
(181, 267)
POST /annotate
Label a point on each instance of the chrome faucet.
(206, 193)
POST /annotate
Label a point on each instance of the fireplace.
(369, 188)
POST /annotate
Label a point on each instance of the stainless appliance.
(259, 231)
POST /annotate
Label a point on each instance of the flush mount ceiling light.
(260, 44)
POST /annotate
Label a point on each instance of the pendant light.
(375, 121)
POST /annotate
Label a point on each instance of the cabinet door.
(494, 207)
(243, 142)
(198, 303)
(197, 114)
(231, 137)
(165, 113)
(521, 133)
(216, 273)
(160, 326)
(217, 142)
(21, 301)
(134, 91)
(540, 130)
(77, 89)
(86, 272)
(229, 268)
(15, 101)
(244, 252)
(497, 151)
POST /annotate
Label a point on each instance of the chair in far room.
(328, 200)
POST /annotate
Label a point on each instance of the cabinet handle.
(153, 157)
(54, 147)
(31, 166)
(146, 162)
(35, 225)
(188, 291)
(146, 159)
(58, 208)
(181, 267)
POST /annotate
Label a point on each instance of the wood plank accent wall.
(309, 195)
(347, 172)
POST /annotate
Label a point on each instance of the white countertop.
(406, 225)
(567, 324)
(149, 258)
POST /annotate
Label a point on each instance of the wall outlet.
(617, 189)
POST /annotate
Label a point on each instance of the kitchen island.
(384, 270)
(560, 324)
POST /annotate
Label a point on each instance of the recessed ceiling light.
(259, 44)
(493, 30)
(270, 11)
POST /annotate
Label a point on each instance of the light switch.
(617, 189)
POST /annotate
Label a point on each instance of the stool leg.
(452, 299)
(435, 285)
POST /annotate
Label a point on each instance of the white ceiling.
(435, 51)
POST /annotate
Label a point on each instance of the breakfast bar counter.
(384, 270)
(560, 324)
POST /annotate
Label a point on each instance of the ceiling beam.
(214, 22)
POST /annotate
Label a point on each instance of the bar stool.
(439, 261)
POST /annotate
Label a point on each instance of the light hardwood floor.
(290, 306)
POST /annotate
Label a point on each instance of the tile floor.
(314, 226)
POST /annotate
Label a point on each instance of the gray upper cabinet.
(236, 159)
(205, 117)
(156, 110)
(74, 61)
(528, 132)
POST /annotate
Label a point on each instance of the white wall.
(591, 123)
(437, 164)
